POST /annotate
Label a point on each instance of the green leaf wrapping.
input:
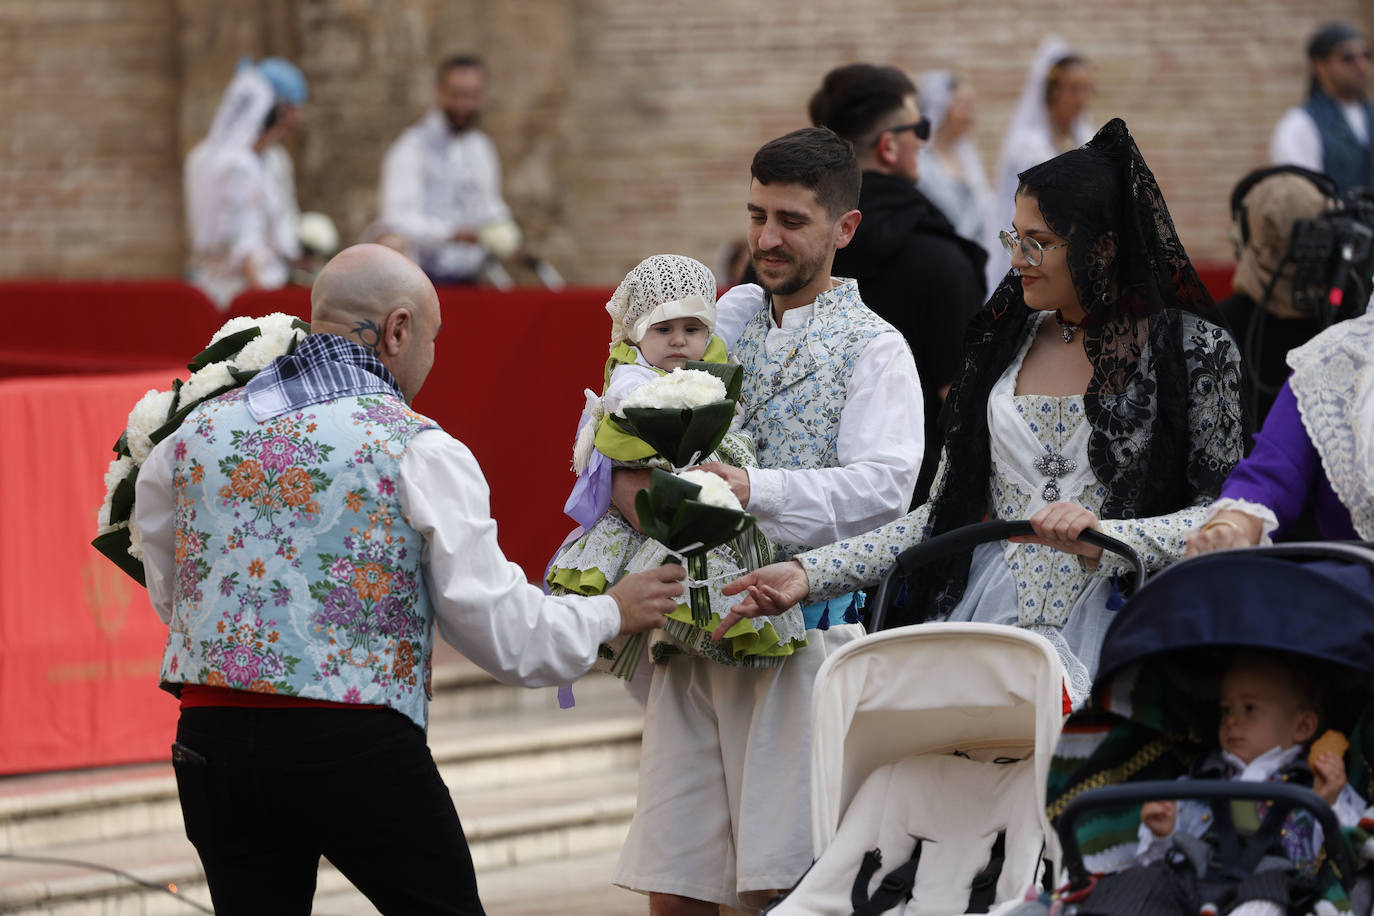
(115, 546)
(732, 374)
(682, 436)
(223, 348)
(121, 446)
(670, 514)
(122, 499)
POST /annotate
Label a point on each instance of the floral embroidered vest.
(792, 401)
(296, 571)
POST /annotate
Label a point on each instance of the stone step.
(504, 746)
(578, 886)
(509, 827)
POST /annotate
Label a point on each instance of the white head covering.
(1029, 140)
(936, 91)
(966, 202)
(236, 127)
(661, 288)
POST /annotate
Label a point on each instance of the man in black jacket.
(912, 268)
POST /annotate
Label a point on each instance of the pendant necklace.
(1066, 328)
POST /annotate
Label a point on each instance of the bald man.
(303, 535)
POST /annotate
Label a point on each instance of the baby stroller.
(930, 754)
(1153, 715)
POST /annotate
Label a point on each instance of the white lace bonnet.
(661, 288)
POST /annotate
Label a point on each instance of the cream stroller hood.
(990, 692)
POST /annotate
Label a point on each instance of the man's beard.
(459, 126)
(803, 272)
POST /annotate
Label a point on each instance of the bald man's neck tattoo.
(369, 335)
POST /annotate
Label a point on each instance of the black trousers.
(266, 792)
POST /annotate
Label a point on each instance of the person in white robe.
(951, 168)
(240, 185)
(1050, 118)
(440, 190)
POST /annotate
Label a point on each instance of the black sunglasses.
(920, 128)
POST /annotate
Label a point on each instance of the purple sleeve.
(1284, 466)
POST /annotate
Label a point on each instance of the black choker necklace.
(1066, 328)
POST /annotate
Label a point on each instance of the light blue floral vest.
(296, 571)
(792, 402)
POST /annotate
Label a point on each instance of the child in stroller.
(1262, 843)
(1270, 712)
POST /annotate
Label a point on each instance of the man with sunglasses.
(913, 268)
(1333, 132)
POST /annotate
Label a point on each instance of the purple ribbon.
(591, 495)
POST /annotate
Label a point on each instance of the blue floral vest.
(296, 571)
(792, 401)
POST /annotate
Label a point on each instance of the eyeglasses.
(920, 128)
(1031, 250)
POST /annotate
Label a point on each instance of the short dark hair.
(854, 99)
(816, 158)
(459, 62)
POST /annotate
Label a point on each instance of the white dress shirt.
(1296, 140)
(436, 183)
(879, 446)
(483, 605)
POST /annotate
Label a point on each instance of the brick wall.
(625, 126)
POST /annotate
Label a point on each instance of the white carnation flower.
(118, 470)
(204, 383)
(502, 238)
(678, 389)
(714, 490)
(148, 414)
(233, 326)
(135, 539)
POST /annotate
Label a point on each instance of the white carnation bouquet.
(237, 352)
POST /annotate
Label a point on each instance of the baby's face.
(1257, 713)
(669, 344)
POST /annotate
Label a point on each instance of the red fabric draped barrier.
(79, 644)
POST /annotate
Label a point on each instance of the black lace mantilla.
(1165, 400)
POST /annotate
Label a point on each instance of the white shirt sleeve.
(155, 512)
(733, 311)
(625, 379)
(483, 605)
(1296, 141)
(880, 443)
(402, 195)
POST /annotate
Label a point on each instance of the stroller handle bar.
(964, 539)
(1289, 796)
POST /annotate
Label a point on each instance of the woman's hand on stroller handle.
(770, 590)
(1228, 528)
(1058, 525)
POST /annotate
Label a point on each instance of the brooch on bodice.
(1054, 466)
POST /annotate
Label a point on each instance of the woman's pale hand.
(1058, 525)
(1228, 528)
(771, 590)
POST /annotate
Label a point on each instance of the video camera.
(1333, 258)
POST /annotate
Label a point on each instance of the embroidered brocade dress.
(1039, 455)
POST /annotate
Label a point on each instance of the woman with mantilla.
(1098, 390)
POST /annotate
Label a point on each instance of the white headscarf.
(661, 288)
(1029, 139)
(966, 202)
(236, 127)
